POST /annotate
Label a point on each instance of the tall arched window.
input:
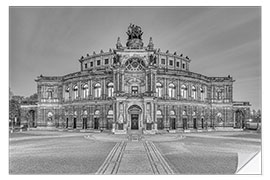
(110, 113)
(194, 92)
(85, 91)
(171, 90)
(184, 91)
(97, 90)
(159, 89)
(202, 93)
(172, 113)
(76, 94)
(110, 89)
(67, 93)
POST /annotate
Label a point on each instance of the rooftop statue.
(134, 37)
(134, 32)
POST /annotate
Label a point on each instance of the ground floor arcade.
(143, 115)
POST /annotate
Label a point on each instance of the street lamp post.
(212, 115)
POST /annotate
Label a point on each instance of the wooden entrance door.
(135, 121)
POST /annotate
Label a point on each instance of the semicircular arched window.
(184, 91)
(159, 113)
(97, 113)
(194, 92)
(135, 64)
(110, 89)
(85, 91)
(50, 114)
(110, 112)
(171, 90)
(76, 93)
(172, 113)
(159, 89)
(97, 90)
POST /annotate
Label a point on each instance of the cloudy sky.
(220, 41)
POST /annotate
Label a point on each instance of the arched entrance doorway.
(134, 112)
(194, 117)
(159, 120)
(172, 120)
(185, 120)
(110, 119)
(96, 119)
(75, 120)
(84, 124)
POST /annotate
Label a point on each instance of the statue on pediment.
(116, 59)
(134, 32)
(152, 60)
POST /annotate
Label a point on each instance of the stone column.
(233, 119)
(104, 89)
(79, 89)
(114, 117)
(91, 117)
(178, 114)
(90, 88)
(167, 117)
(165, 88)
(115, 81)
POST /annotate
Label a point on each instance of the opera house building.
(135, 86)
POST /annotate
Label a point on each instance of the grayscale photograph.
(134, 90)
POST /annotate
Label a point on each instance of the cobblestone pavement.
(135, 157)
(104, 153)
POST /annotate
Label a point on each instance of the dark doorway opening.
(96, 123)
(67, 123)
(134, 121)
(194, 123)
(84, 123)
(75, 123)
(202, 123)
(172, 123)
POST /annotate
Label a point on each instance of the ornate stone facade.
(134, 87)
